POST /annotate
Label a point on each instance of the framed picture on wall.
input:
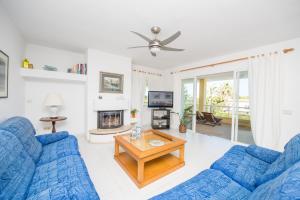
(111, 83)
(4, 63)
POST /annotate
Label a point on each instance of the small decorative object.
(156, 143)
(4, 63)
(49, 68)
(53, 102)
(133, 113)
(30, 66)
(138, 131)
(111, 83)
(133, 134)
(26, 63)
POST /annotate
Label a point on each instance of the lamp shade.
(53, 99)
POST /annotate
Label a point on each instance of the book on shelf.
(78, 69)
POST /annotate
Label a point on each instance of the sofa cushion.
(52, 137)
(59, 149)
(290, 156)
(262, 153)
(68, 172)
(209, 184)
(16, 167)
(285, 186)
(24, 131)
(241, 167)
(57, 192)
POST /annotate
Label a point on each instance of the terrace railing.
(226, 111)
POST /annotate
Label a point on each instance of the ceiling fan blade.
(153, 54)
(170, 49)
(137, 47)
(142, 36)
(171, 39)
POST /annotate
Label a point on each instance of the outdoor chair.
(210, 119)
(200, 118)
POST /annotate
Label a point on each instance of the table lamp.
(53, 101)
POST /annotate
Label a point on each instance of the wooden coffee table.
(145, 163)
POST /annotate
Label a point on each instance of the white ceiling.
(209, 27)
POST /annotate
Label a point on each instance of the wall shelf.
(52, 75)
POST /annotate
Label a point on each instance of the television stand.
(160, 118)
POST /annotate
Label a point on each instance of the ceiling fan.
(155, 45)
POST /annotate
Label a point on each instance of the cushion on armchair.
(16, 167)
(289, 157)
(56, 192)
(68, 172)
(262, 153)
(285, 186)
(209, 184)
(52, 137)
(241, 167)
(61, 148)
(25, 132)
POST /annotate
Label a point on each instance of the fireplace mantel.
(111, 104)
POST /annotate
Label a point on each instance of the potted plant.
(184, 119)
(183, 123)
(133, 113)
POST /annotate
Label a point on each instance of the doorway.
(221, 105)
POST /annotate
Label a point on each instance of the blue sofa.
(251, 172)
(44, 167)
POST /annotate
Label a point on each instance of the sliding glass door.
(214, 105)
(220, 104)
(187, 101)
(242, 121)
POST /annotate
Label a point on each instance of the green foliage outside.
(218, 100)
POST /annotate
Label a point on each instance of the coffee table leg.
(140, 170)
(117, 148)
(181, 154)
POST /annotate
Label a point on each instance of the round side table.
(53, 120)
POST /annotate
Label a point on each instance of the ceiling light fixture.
(155, 49)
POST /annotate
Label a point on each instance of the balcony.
(223, 129)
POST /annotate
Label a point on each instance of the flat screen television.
(160, 99)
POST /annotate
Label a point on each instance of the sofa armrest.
(264, 154)
(52, 137)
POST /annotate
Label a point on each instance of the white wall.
(99, 61)
(62, 59)
(290, 84)
(12, 43)
(73, 93)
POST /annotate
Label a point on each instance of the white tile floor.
(112, 183)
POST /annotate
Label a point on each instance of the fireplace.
(110, 119)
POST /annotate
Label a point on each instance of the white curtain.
(139, 82)
(265, 99)
(137, 94)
